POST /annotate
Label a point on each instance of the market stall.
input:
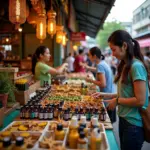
(53, 117)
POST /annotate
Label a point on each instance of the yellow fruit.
(22, 128)
(6, 133)
(42, 124)
(25, 134)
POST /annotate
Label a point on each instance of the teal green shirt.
(42, 73)
(131, 114)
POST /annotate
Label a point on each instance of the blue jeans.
(131, 136)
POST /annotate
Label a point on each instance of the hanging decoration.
(59, 34)
(17, 12)
(64, 40)
(33, 17)
(41, 27)
(51, 27)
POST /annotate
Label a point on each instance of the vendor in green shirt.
(40, 69)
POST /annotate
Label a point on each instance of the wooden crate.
(23, 96)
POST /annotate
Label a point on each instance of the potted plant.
(7, 89)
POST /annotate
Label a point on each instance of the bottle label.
(83, 146)
(32, 115)
(50, 116)
(98, 145)
(66, 116)
(45, 115)
(36, 114)
(96, 116)
(26, 115)
(41, 115)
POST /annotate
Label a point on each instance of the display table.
(110, 135)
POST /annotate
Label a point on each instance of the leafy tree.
(103, 35)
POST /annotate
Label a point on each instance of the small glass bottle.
(32, 113)
(22, 112)
(76, 113)
(50, 113)
(95, 113)
(102, 116)
(66, 115)
(19, 144)
(7, 144)
(41, 113)
(82, 141)
(81, 113)
(36, 112)
(88, 114)
(69, 113)
(45, 115)
(27, 114)
(59, 133)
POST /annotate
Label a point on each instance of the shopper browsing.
(132, 81)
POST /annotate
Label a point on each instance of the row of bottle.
(52, 111)
(7, 144)
(81, 137)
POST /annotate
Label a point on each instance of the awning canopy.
(144, 42)
(91, 14)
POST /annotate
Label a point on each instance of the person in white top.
(70, 60)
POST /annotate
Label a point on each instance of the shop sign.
(78, 36)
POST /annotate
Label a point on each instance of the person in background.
(40, 69)
(70, 61)
(133, 91)
(147, 59)
(79, 59)
(103, 75)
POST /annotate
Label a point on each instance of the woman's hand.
(111, 103)
(88, 79)
(96, 95)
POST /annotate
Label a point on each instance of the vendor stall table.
(110, 135)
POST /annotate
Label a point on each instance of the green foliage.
(103, 35)
(7, 86)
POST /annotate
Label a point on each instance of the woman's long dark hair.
(96, 51)
(133, 50)
(39, 51)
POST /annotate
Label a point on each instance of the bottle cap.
(74, 121)
(80, 129)
(94, 121)
(19, 141)
(83, 119)
(6, 141)
(59, 127)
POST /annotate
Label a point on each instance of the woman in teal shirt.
(40, 69)
(132, 81)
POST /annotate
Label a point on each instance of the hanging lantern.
(41, 27)
(64, 39)
(59, 34)
(33, 17)
(51, 28)
(17, 12)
